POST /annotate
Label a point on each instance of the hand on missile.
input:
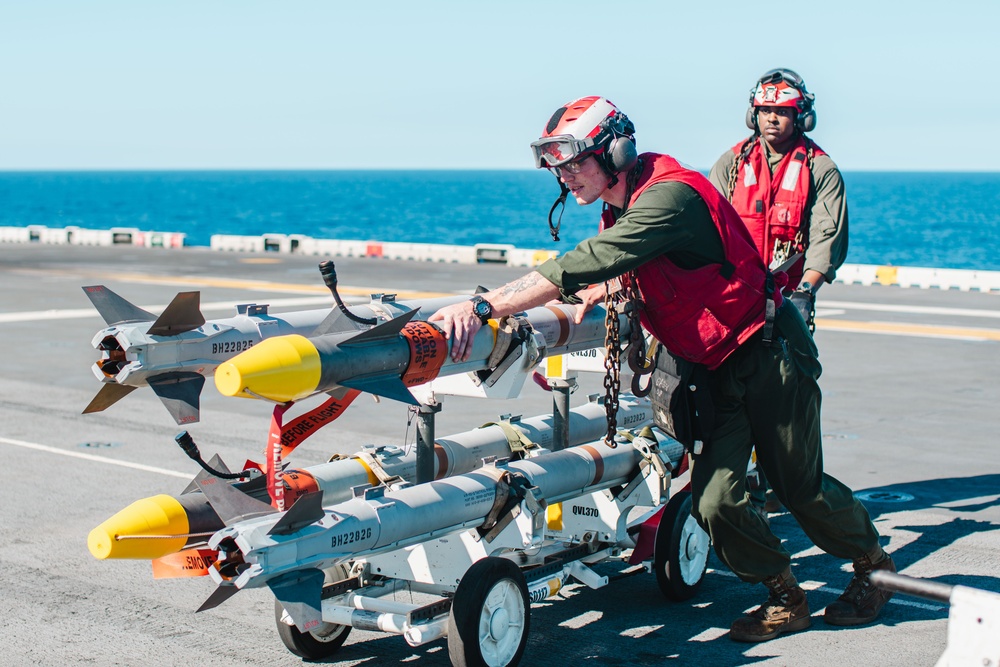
(589, 298)
(460, 325)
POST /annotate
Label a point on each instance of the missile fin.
(113, 308)
(182, 314)
(382, 331)
(301, 594)
(109, 394)
(335, 322)
(180, 393)
(338, 392)
(215, 462)
(218, 596)
(231, 504)
(386, 386)
(307, 509)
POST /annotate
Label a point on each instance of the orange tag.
(428, 351)
(300, 428)
(188, 563)
(272, 459)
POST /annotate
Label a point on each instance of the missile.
(288, 551)
(393, 356)
(173, 353)
(161, 525)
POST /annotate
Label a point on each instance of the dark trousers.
(768, 396)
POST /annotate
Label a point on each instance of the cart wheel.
(316, 644)
(680, 552)
(488, 623)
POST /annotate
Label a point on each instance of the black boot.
(862, 601)
(786, 610)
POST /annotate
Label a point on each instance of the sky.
(386, 84)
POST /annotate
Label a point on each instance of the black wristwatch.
(806, 287)
(482, 308)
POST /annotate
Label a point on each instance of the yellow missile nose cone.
(159, 515)
(281, 369)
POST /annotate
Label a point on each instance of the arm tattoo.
(520, 284)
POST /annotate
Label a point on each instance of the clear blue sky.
(334, 84)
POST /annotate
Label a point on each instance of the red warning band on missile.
(428, 352)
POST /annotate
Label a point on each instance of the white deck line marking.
(895, 599)
(923, 310)
(98, 459)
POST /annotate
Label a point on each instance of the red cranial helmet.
(584, 126)
(783, 88)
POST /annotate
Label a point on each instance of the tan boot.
(786, 610)
(862, 601)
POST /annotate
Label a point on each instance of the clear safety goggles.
(558, 151)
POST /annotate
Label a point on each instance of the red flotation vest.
(703, 314)
(773, 206)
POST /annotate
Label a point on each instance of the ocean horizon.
(903, 218)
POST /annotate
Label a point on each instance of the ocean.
(943, 220)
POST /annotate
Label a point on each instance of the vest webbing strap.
(769, 310)
(517, 442)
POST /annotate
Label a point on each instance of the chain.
(734, 169)
(612, 362)
(638, 361)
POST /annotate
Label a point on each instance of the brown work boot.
(786, 610)
(862, 601)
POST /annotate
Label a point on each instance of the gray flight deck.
(910, 417)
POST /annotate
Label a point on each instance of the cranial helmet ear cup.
(621, 155)
(806, 121)
(752, 118)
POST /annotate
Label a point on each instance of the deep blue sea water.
(948, 220)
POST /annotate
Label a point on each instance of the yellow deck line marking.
(93, 457)
(263, 285)
(902, 329)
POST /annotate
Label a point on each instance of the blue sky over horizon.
(314, 84)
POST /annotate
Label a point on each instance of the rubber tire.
(671, 558)
(306, 644)
(465, 646)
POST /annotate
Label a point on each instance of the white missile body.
(289, 551)
(453, 455)
(389, 358)
(174, 352)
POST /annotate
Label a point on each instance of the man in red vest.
(671, 239)
(789, 193)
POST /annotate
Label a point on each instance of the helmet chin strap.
(560, 201)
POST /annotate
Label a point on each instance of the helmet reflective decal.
(776, 95)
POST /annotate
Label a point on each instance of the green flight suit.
(766, 395)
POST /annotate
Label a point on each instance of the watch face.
(482, 308)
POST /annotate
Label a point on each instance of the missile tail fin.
(382, 331)
(109, 394)
(217, 463)
(335, 322)
(182, 314)
(218, 596)
(180, 394)
(113, 308)
(301, 594)
(307, 509)
(231, 504)
(385, 386)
